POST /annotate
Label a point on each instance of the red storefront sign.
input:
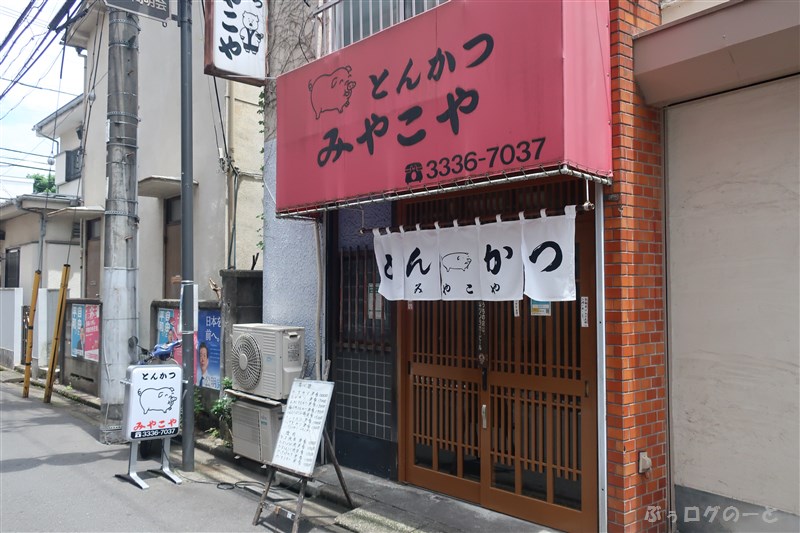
(467, 90)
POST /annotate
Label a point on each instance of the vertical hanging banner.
(236, 40)
(421, 270)
(548, 250)
(501, 264)
(389, 256)
(460, 263)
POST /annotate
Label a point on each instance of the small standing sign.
(152, 411)
(302, 430)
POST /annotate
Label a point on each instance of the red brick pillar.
(634, 254)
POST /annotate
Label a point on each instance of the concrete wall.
(10, 327)
(733, 248)
(246, 143)
(290, 267)
(242, 303)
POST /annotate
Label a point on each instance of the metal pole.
(121, 220)
(187, 248)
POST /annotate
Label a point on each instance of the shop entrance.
(499, 398)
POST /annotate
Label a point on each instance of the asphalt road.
(56, 476)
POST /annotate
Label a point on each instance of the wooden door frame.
(597, 387)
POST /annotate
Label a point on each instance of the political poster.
(91, 341)
(208, 349)
(78, 331)
(169, 324)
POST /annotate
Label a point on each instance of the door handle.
(483, 415)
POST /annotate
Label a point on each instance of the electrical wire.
(30, 22)
(31, 61)
(29, 64)
(17, 23)
(23, 152)
(39, 88)
(58, 91)
(24, 166)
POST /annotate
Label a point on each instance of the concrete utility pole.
(187, 232)
(121, 218)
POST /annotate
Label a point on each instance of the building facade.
(621, 409)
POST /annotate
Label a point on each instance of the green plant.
(222, 410)
(42, 183)
(198, 404)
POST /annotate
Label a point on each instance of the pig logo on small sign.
(332, 91)
(157, 399)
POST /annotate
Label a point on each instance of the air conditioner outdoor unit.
(255, 429)
(266, 359)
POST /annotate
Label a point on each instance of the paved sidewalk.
(381, 505)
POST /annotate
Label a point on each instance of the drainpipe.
(232, 178)
(602, 440)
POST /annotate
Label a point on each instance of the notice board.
(301, 429)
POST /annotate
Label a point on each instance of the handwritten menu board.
(301, 429)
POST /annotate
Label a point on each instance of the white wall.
(733, 249)
(46, 306)
(10, 326)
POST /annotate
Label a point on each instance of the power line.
(40, 88)
(29, 63)
(25, 166)
(23, 159)
(31, 21)
(55, 29)
(23, 152)
(17, 23)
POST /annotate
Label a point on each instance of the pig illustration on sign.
(251, 38)
(456, 261)
(157, 399)
(332, 91)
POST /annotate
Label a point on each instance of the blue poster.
(78, 333)
(208, 349)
